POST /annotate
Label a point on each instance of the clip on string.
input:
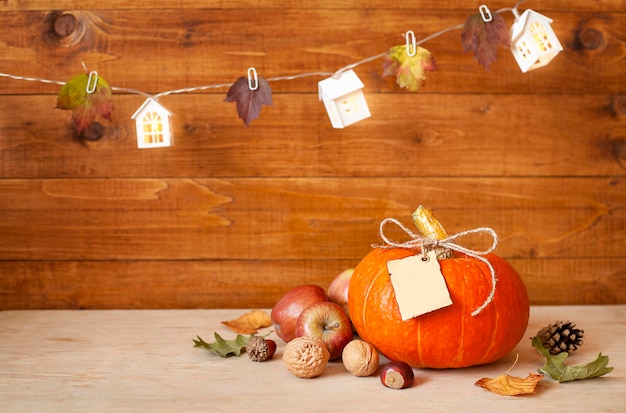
(485, 13)
(253, 79)
(411, 43)
(92, 82)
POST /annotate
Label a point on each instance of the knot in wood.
(591, 39)
(65, 29)
(618, 105)
(94, 132)
(65, 24)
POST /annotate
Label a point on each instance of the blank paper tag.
(418, 284)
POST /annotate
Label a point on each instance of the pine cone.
(561, 337)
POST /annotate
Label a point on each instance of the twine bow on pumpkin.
(425, 243)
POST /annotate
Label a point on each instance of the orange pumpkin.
(450, 337)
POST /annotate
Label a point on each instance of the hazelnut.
(397, 375)
(260, 349)
(306, 357)
(360, 358)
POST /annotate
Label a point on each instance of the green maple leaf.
(555, 367)
(222, 347)
(410, 71)
(484, 38)
(85, 106)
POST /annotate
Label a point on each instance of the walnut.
(306, 357)
(360, 358)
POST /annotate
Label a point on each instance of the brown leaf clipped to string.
(249, 101)
(250, 322)
(506, 385)
(86, 106)
(410, 71)
(484, 38)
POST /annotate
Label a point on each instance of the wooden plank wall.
(233, 216)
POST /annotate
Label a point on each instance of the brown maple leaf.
(249, 101)
(484, 38)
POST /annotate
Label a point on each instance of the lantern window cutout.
(533, 42)
(153, 125)
(343, 98)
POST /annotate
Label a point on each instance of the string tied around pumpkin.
(424, 244)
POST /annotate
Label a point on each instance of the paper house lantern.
(343, 98)
(153, 125)
(533, 42)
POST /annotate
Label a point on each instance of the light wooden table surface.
(144, 361)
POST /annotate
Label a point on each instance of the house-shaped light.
(153, 125)
(343, 98)
(533, 42)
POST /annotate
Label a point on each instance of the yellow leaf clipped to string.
(506, 385)
(409, 70)
(250, 322)
(87, 96)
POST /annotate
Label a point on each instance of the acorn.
(561, 337)
(260, 349)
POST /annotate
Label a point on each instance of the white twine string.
(271, 79)
(417, 240)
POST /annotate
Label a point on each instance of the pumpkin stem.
(430, 227)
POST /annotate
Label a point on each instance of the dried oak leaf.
(249, 323)
(249, 101)
(85, 106)
(483, 38)
(222, 347)
(506, 385)
(410, 71)
(556, 368)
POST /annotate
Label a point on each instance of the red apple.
(338, 288)
(328, 322)
(286, 311)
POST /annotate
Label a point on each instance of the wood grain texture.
(144, 361)
(552, 5)
(257, 283)
(214, 46)
(410, 135)
(233, 216)
(299, 218)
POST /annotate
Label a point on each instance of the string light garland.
(532, 43)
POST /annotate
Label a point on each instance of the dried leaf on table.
(556, 368)
(250, 322)
(410, 71)
(222, 347)
(85, 106)
(249, 101)
(506, 385)
(484, 38)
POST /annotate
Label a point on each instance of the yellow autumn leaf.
(250, 322)
(506, 385)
